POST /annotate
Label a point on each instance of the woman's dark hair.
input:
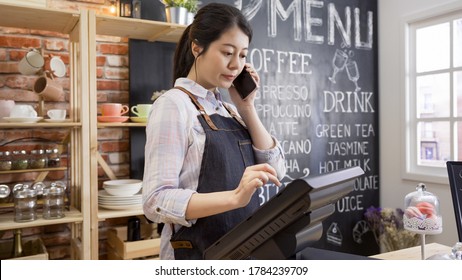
(210, 22)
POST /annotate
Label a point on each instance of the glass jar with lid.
(53, 157)
(19, 160)
(25, 203)
(5, 161)
(38, 159)
(53, 200)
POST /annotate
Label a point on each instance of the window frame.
(411, 170)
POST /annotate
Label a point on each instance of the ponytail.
(183, 59)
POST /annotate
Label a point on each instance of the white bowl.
(124, 187)
(122, 182)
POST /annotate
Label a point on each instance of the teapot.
(23, 111)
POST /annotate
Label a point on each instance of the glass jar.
(19, 160)
(53, 201)
(4, 191)
(53, 159)
(25, 204)
(5, 161)
(38, 159)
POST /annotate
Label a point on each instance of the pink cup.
(113, 109)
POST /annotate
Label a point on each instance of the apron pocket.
(247, 152)
(184, 249)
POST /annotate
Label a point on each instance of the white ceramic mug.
(55, 65)
(23, 111)
(56, 114)
(5, 107)
(141, 110)
(31, 63)
(48, 88)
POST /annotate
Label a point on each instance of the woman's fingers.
(249, 68)
(264, 172)
(259, 182)
(263, 167)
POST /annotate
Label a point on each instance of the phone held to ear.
(244, 84)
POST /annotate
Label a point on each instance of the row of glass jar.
(25, 201)
(36, 159)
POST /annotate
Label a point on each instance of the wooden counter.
(414, 253)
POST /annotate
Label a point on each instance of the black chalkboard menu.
(318, 95)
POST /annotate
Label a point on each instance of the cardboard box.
(32, 250)
(119, 249)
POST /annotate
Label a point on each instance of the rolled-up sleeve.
(274, 157)
(168, 205)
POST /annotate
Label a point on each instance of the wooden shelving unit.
(75, 26)
(127, 28)
(82, 29)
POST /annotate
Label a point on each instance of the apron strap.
(199, 107)
(234, 115)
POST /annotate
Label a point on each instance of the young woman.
(204, 159)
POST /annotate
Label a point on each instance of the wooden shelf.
(109, 214)
(38, 18)
(34, 170)
(127, 124)
(7, 220)
(40, 124)
(138, 29)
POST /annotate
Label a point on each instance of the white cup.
(23, 111)
(57, 114)
(31, 63)
(141, 110)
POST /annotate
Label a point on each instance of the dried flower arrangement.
(387, 226)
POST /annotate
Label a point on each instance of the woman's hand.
(254, 177)
(207, 204)
(235, 97)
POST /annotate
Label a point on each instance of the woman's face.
(222, 62)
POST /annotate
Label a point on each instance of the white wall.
(393, 187)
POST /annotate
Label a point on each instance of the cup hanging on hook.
(31, 63)
(56, 66)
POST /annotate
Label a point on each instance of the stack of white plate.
(113, 202)
(120, 194)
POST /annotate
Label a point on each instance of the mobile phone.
(244, 84)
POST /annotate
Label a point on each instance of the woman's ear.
(196, 49)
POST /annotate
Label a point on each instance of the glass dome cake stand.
(422, 214)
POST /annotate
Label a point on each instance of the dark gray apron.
(228, 151)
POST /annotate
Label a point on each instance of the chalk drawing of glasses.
(341, 61)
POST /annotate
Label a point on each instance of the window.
(433, 94)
